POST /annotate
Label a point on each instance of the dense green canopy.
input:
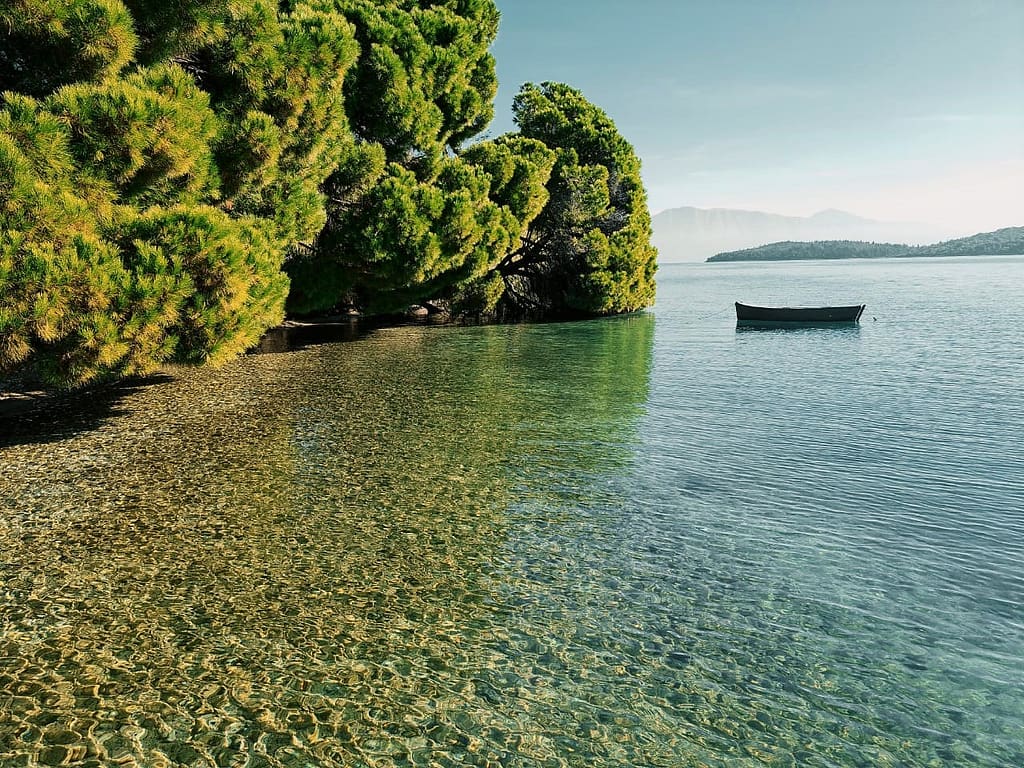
(173, 171)
(406, 239)
(589, 249)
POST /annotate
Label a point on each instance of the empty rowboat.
(747, 314)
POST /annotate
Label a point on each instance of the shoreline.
(28, 397)
(22, 397)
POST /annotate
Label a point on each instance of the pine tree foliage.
(172, 171)
(407, 218)
(589, 250)
(91, 291)
(45, 44)
(425, 79)
(56, 274)
(224, 268)
(147, 135)
(114, 259)
(408, 239)
(519, 170)
(276, 81)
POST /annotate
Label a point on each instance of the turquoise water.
(654, 540)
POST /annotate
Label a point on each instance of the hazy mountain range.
(694, 234)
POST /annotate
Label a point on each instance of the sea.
(648, 540)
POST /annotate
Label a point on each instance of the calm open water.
(644, 541)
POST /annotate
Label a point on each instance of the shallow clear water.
(645, 541)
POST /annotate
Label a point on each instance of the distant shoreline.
(702, 262)
(1008, 241)
(907, 256)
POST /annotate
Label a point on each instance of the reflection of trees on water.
(298, 557)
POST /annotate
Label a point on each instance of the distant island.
(694, 234)
(789, 250)
(1008, 241)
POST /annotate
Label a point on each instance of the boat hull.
(747, 314)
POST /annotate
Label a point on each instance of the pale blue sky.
(893, 109)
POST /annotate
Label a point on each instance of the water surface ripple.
(645, 541)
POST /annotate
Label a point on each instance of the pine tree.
(120, 248)
(589, 250)
(172, 170)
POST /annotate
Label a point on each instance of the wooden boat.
(747, 314)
